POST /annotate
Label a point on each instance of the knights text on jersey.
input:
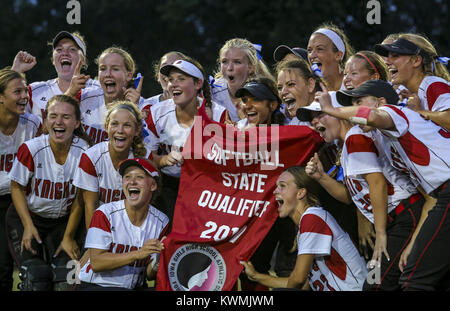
(49, 189)
(418, 147)
(112, 230)
(434, 94)
(96, 173)
(363, 154)
(27, 128)
(337, 265)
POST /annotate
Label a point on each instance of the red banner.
(225, 203)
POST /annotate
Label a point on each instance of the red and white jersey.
(166, 134)
(41, 92)
(337, 265)
(49, 188)
(434, 94)
(220, 95)
(418, 147)
(93, 113)
(96, 173)
(363, 153)
(28, 127)
(112, 230)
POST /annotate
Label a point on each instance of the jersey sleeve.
(99, 234)
(315, 236)
(86, 176)
(23, 166)
(438, 96)
(400, 120)
(151, 139)
(362, 155)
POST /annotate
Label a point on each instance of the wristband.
(361, 115)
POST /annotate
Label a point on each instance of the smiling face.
(15, 96)
(258, 111)
(400, 67)
(122, 129)
(183, 88)
(167, 59)
(235, 68)
(286, 194)
(328, 127)
(113, 76)
(321, 51)
(138, 187)
(66, 56)
(294, 90)
(356, 73)
(61, 122)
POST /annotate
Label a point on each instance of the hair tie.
(443, 60)
(368, 60)
(258, 48)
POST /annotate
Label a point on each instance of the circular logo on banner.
(197, 267)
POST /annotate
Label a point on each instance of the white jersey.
(49, 188)
(112, 230)
(93, 113)
(418, 147)
(434, 94)
(363, 153)
(166, 134)
(28, 127)
(220, 95)
(41, 92)
(148, 102)
(295, 121)
(337, 265)
(96, 173)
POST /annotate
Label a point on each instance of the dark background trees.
(148, 29)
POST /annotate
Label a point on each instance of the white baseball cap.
(304, 113)
(184, 66)
(66, 34)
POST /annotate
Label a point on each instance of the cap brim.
(344, 97)
(281, 51)
(65, 34)
(305, 113)
(165, 70)
(258, 91)
(131, 162)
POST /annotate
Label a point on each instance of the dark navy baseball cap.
(400, 46)
(258, 90)
(376, 88)
(282, 50)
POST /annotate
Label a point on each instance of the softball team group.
(90, 169)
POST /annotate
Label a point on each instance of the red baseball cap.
(141, 163)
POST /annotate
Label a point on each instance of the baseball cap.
(400, 46)
(258, 90)
(141, 163)
(66, 34)
(281, 51)
(184, 66)
(377, 88)
(304, 113)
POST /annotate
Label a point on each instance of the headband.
(126, 107)
(368, 60)
(334, 37)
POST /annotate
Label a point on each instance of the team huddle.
(90, 169)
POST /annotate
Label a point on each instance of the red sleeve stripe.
(100, 221)
(223, 117)
(435, 90)
(360, 143)
(30, 95)
(151, 123)
(315, 224)
(87, 166)
(78, 96)
(24, 156)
